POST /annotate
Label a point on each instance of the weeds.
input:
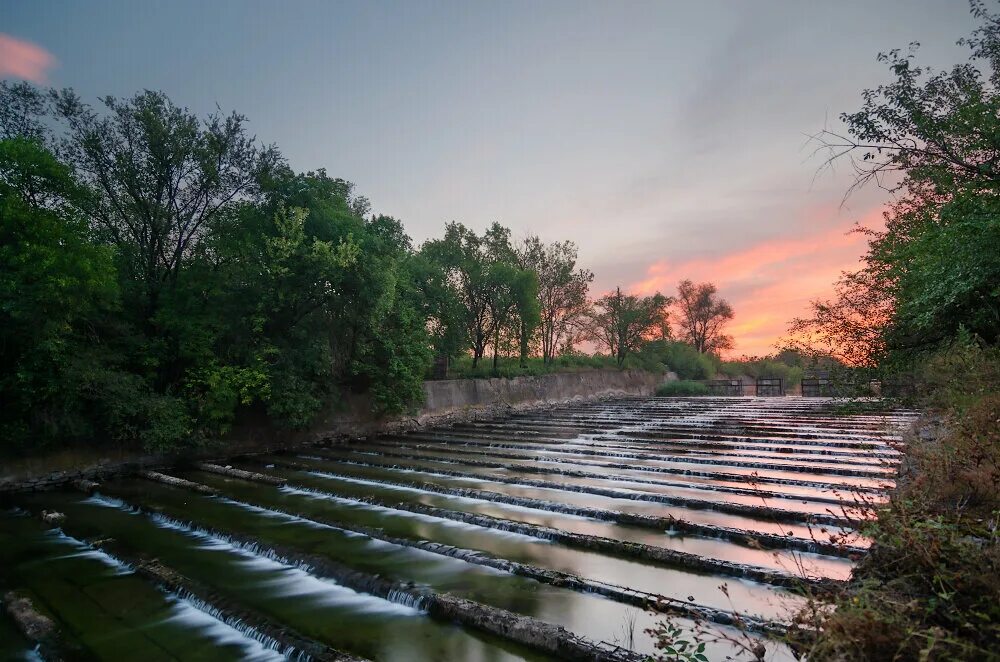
(929, 589)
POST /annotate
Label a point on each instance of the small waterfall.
(228, 630)
(84, 550)
(300, 577)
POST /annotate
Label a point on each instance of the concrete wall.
(446, 401)
(448, 397)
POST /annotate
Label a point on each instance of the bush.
(930, 587)
(679, 357)
(681, 388)
(771, 368)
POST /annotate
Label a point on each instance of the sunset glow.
(769, 283)
(666, 140)
(23, 59)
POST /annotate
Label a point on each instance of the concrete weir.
(520, 629)
(557, 533)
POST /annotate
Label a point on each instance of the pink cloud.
(769, 283)
(23, 59)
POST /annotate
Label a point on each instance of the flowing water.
(578, 516)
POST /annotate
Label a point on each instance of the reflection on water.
(336, 499)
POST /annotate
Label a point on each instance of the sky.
(669, 140)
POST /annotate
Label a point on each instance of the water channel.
(452, 543)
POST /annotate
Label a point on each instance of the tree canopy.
(621, 322)
(163, 274)
(932, 272)
(702, 317)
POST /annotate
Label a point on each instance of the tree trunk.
(524, 346)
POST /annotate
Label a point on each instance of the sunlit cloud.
(23, 59)
(769, 283)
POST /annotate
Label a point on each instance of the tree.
(292, 306)
(461, 256)
(159, 273)
(620, 322)
(494, 293)
(161, 175)
(931, 273)
(55, 286)
(513, 305)
(703, 316)
(22, 107)
(851, 327)
(562, 292)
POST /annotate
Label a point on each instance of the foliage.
(494, 299)
(680, 358)
(162, 175)
(764, 367)
(163, 272)
(621, 322)
(64, 358)
(674, 647)
(682, 388)
(534, 366)
(703, 316)
(929, 588)
(926, 306)
(562, 291)
(52, 282)
(934, 268)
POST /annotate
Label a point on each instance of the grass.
(682, 388)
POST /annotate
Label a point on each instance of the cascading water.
(420, 546)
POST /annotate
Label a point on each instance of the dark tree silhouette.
(703, 316)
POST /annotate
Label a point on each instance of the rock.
(52, 517)
(240, 473)
(86, 486)
(177, 482)
(35, 626)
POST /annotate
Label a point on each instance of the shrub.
(929, 589)
(681, 388)
(679, 357)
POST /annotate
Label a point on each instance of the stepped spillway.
(563, 533)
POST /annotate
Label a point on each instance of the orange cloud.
(22, 59)
(769, 283)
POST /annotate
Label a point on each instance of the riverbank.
(930, 587)
(445, 401)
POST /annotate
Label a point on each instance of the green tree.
(495, 296)
(621, 322)
(513, 306)
(562, 292)
(54, 287)
(933, 270)
(292, 307)
(161, 175)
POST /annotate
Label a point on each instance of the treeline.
(162, 272)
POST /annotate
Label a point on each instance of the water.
(336, 557)
(825, 566)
